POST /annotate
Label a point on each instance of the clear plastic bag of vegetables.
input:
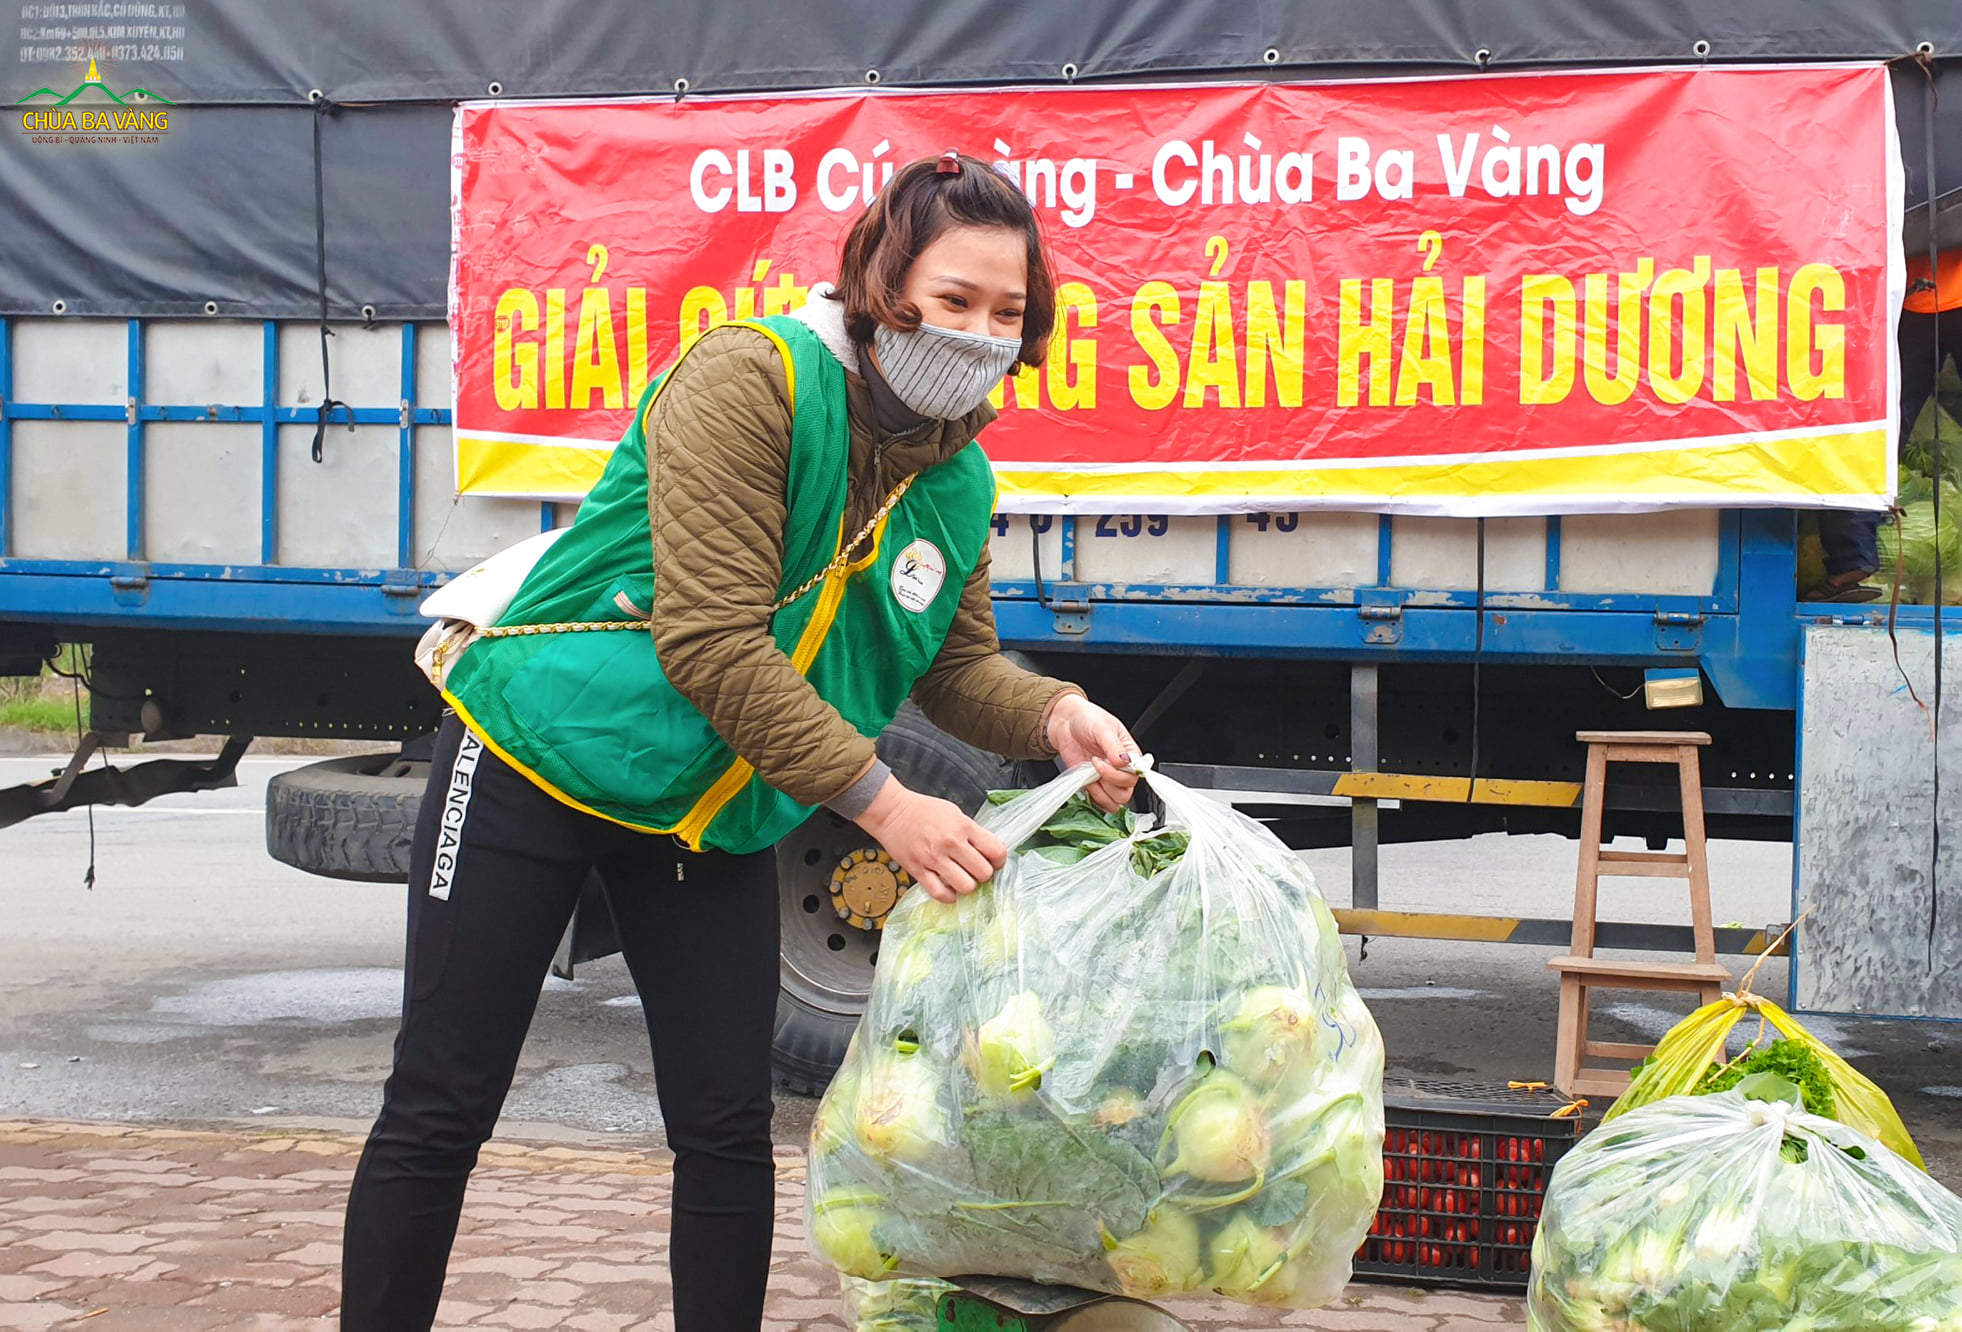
(902, 1304)
(1132, 1062)
(1720, 1213)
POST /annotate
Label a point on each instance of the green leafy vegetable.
(1694, 1050)
(1918, 445)
(1081, 821)
(1032, 1160)
(1080, 829)
(1789, 1060)
(1281, 1202)
(1062, 855)
(1916, 544)
(1157, 852)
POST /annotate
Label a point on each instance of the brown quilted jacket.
(718, 452)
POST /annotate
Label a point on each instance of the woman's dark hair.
(917, 205)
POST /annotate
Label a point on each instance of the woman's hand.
(945, 851)
(1082, 732)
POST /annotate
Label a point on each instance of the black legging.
(495, 871)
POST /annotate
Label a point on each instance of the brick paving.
(109, 1228)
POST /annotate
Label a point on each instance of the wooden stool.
(1582, 972)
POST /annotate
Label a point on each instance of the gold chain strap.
(844, 559)
(851, 547)
(561, 627)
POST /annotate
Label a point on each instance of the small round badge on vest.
(917, 574)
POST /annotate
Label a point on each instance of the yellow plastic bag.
(1696, 1043)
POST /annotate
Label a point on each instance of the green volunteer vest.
(591, 717)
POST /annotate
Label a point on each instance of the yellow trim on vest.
(510, 761)
(783, 350)
(726, 788)
(692, 829)
(878, 537)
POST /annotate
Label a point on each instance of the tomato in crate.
(1465, 1167)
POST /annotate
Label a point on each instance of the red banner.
(1501, 294)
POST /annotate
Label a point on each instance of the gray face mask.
(942, 372)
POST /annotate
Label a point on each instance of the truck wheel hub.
(865, 887)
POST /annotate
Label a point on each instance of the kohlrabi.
(831, 1126)
(1244, 1256)
(1271, 1036)
(909, 967)
(1217, 1132)
(1161, 1259)
(1014, 1048)
(899, 1116)
(845, 1232)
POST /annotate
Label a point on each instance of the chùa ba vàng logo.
(94, 113)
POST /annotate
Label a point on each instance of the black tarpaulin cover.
(221, 209)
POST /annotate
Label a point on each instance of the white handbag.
(475, 599)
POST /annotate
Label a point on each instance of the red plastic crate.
(1465, 1168)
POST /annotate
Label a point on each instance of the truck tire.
(347, 818)
(826, 962)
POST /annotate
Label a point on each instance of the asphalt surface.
(200, 981)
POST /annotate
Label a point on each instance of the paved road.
(173, 1230)
(200, 981)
